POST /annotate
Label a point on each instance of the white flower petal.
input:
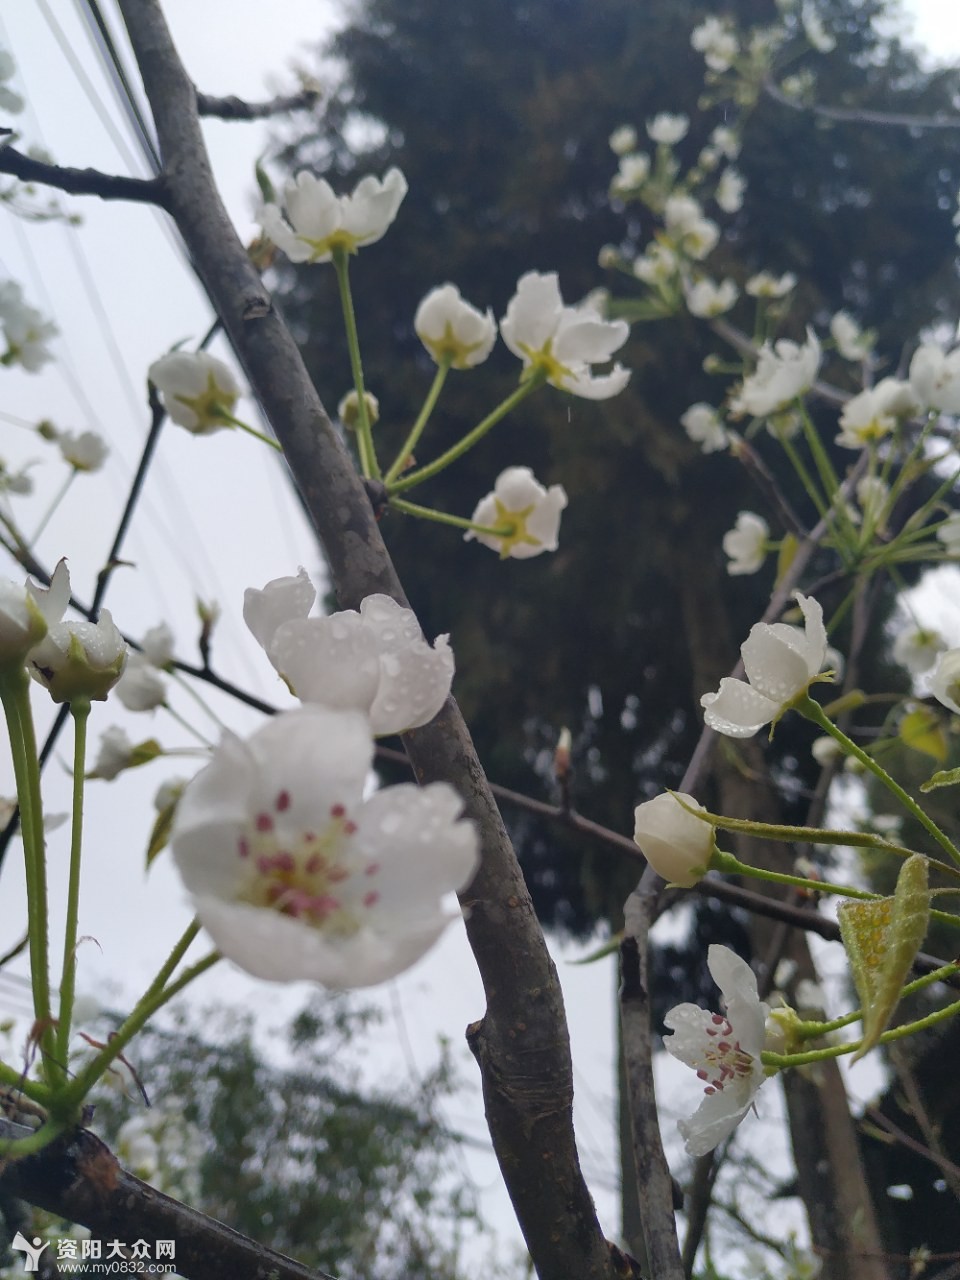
(737, 710)
(280, 601)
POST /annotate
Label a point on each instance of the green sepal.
(922, 730)
(163, 824)
(881, 938)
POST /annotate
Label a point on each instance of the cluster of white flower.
(24, 329)
(293, 868)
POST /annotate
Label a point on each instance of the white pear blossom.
(85, 451)
(874, 413)
(766, 285)
(563, 342)
(707, 298)
(935, 377)
(452, 330)
(19, 482)
(657, 264)
(918, 648)
(815, 31)
(115, 754)
(687, 227)
(199, 391)
(9, 100)
(724, 1050)
(780, 662)
(375, 661)
(730, 189)
(25, 330)
(317, 221)
(784, 372)
(726, 141)
(141, 687)
(718, 44)
(852, 342)
(23, 624)
(158, 645)
(946, 680)
(704, 426)
(949, 534)
(74, 659)
(623, 140)
(633, 171)
(666, 129)
(676, 843)
(529, 512)
(296, 876)
(745, 544)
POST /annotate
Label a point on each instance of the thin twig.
(862, 115)
(233, 108)
(83, 182)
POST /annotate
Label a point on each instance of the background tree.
(499, 117)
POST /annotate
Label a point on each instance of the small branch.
(83, 182)
(79, 1179)
(860, 115)
(233, 108)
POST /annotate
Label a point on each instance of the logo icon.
(33, 1251)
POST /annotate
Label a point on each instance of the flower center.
(723, 1059)
(516, 524)
(314, 876)
(214, 405)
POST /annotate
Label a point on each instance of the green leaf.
(160, 831)
(922, 730)
(881, 938)
(942, 778)
(608, 948)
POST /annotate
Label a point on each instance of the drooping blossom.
(718, 44)
(723, 1048)
(623, 140)
(666, 129)
(781, 662)
(23, 624)
(529, 512)
(918, 648)
(141, 687)
(296, 876)
(452, 330)
(676, 843)
(935, 377)
(375, 660)
(784, 372)
(707, 298)
(157, 644)
(115, 754)
(704, 426)
(199, 391)
(84, 450)
(563, 342)
(25, 330)
(766, 285)
(852, 342)
(348, 410)
(745, 545)
(730, 189)
(74, 659)
(317, 221)
(875, 412)
(946, 680)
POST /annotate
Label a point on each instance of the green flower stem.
(187, 726)
(828, 477)
(14, 1078)
(806, 479)
(368, 454)
(68, 1099)
(187, 687)
(252, 431)
(813, 711)
(80, 710)
(730, 865)
(780, 1061)
(416, 431)
(471, 438)
(45, 519)
(442, 517)
(15, 696)
(811, 1030)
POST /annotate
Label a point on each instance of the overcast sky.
(216, 517)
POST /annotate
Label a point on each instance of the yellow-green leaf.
(942, 778)
(882, 937)
(922, 730)
(607, 948)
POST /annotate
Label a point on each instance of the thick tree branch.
(80, 1180)
(83, 182)
(232, 108)
(522, 1043)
